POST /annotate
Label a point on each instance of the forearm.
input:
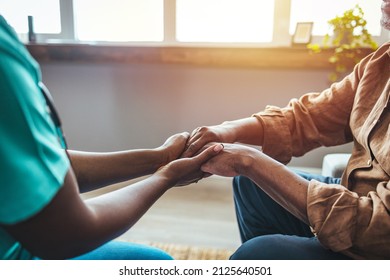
(247, 131)
(280, 183)
(94, 170)
(75, 226)
(119, 210)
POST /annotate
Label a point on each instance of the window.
(46, 20)
(320, 12)
(118, 20)
(182, 22)
(224, 20)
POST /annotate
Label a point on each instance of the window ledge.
(279, 57)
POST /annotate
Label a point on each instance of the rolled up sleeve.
(313, 120)
(345, 222)
(276, 131)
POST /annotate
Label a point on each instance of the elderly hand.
(204, 135)
(185, 171)
(234, 160)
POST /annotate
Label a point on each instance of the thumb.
(209, 153)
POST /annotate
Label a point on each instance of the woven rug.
(186, 252)
(183, 252)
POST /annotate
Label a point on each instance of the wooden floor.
(200, 215)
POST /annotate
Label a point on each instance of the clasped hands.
(205, 152)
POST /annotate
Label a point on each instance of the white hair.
(385, 20)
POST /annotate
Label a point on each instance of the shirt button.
(369, 162)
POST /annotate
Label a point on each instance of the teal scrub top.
(33, 164)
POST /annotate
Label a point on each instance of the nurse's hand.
(185, 171)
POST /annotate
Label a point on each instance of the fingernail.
(218, 148)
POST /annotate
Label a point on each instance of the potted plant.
(349, 40)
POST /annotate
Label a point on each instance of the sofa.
(333, 165)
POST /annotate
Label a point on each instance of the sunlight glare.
(224, 20)
(321, 11)
(119, 20)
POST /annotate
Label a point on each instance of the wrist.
(165, 177)
(246, 162)
(247, 130)
(161, 157)
(231, 131)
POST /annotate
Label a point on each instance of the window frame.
(281, 36)
(67, 33)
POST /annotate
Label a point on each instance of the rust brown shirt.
(353, 217)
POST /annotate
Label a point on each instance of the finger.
(195, 146)
(193, 138)
(191, 149)
(185, 135)
(209, 153)
(195, 131)
(196, 134)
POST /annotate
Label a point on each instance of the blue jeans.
(118, 250)
(269, 232)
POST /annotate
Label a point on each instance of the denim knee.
(285, 247)
(243, 186)
(259, 248)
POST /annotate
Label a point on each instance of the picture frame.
(303, 33)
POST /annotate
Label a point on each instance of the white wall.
(107, 107)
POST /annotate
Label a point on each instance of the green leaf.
(350, 34)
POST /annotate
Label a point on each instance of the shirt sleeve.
(32, 163)
(345, 222)
(316, 119)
